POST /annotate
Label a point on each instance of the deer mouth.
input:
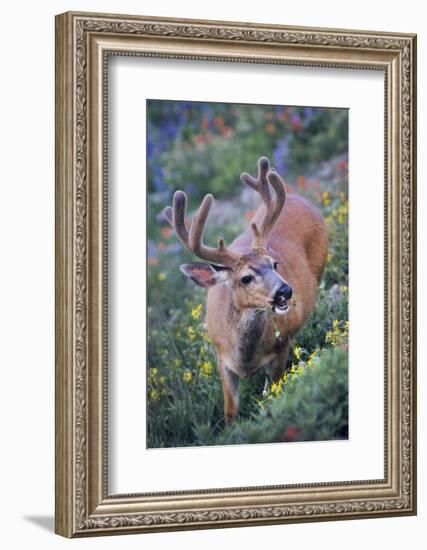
(280, 307)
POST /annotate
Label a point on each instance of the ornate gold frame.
(83, 42)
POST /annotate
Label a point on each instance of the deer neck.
(250, 326)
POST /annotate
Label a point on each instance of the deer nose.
(283, 292)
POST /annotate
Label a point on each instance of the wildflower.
(301, 182)
(162, 380)
(312, 360)
(283, 116)
(196, 311)
(191, 333)
(206, 338)
(187, 376)
(297, 352)
(154, 395)
(153, 372)
(338, 336)
(162, 276)
(326, 198)
(290, 434)
(177, 362)
(296, 122)
(219, 121)
(270, 128)
(206, 368)
(276, 387)
(200, 139)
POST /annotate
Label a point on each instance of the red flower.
(270, 128)
(290, 434)
(219, 121)
(301, 182)
(165, 232)
(342, 165)
(226, 131)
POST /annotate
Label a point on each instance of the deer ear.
(205, 275)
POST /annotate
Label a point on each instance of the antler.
(193, 238)
(273, 206)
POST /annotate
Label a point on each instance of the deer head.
(252, 276)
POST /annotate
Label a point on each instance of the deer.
(262, 288)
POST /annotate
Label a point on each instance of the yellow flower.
(205, 337)
(325, 198)
(153, 372)
(154, 395)
(191, 333)
(206, 368)
(196, 311)
(162, 276)
(311, 361)
(187, 376)
(162, 380)
(177, 362)
(297, 352)
(339, 335)
(275, 388)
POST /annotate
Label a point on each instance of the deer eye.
(247, 279)
(275, 265)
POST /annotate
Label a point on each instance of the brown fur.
(243, 335)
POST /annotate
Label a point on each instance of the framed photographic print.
(235, 274)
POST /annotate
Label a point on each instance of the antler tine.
(280, 190)
(266, 179)
(273, 210)
(176, 217)
(193, 238)
(260, 183)
(219, 255)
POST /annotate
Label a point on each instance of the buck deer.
(262, 288)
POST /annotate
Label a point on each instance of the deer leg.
(278, 365)
(230, 389)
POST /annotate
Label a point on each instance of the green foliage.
(202, 147)
(311, 405)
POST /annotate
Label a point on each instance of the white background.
(27, 268)
(132, 467)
